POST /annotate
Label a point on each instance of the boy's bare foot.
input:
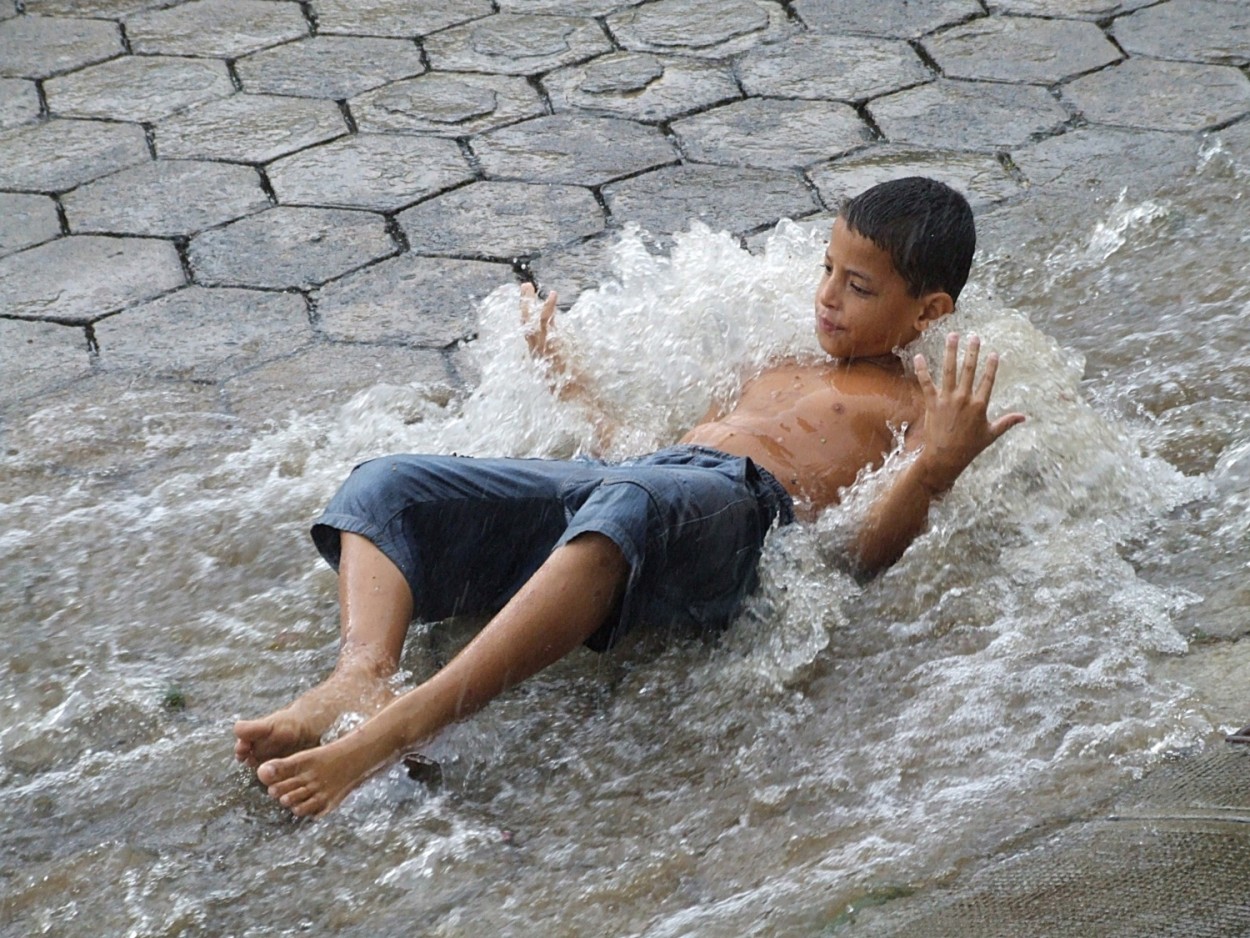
(299, 725)
(314, 781)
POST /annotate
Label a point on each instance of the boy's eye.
(827, 268)
(862, 291)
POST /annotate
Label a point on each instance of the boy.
(567, 553)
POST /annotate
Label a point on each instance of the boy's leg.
(558, 608)
(375, 608)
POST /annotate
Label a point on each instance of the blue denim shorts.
(467, 533)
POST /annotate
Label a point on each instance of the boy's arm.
(954, 431)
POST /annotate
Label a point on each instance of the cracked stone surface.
(640, 86)
(967, 115)
(570, 149)
(371, 171)
(516, 44)
(411, 300)
(81, 278)
(60, 154)
(398, 18)
(1021, 49)
(980, 176)
(249, 128)
(40, 46)
(224, 28)
(737, 199)
(446, 103)
(102, 8)
(566, 7)
(26, 220)
(772, 133)
(204, 334)
(1104, 160)
(1180, 96)
(714, 28)
(37, 357)
(501, 220)
(1082, 9)
(800, 68)
(900, 20)
(289, 247)
(19, 102)
(166, 198)
(334, 67)
(1195, 30)
(138, 88)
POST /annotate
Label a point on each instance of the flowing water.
(1070, 619)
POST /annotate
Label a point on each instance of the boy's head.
(925, 226)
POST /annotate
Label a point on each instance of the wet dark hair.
(925, 226)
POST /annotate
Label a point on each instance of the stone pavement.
(250, 207)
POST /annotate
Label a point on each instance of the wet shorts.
(467, 533)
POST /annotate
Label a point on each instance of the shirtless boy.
(566, 553)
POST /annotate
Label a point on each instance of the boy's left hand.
(956, 428)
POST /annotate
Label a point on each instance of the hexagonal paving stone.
(19, 102)
(250, 128)
(378, 171)
(1077, 9)
(40, 46)
(1021, 49)
(166, 198)
(138, 87)
(446, 103)
(898, 20)
(81, 278)
(713, 28)
(503, 220)
(36, 357)
(1197, 30)
(566, 7)
(1155, 95)
(799, 68)
(579, 267)
(516, 44)
(105, 9)
(424, 301)
(576, 150)
(1101, 161)
(735, 199)
(979, 176)
(640, 86)
(60, 154)
(334, 67)
(204, 334)
(967, 115)
(223, 28)
(771, 132)
(398, 18)
(289, 247)
(26, 220)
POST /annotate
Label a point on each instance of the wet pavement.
(257, 207)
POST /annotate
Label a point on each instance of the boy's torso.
(815, 426)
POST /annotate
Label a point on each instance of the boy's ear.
(933, 307)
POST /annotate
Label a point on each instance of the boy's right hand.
(538, 330)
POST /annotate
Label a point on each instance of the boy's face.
(863, 306)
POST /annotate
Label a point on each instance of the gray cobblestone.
(1154, 95)
(446, 103)
(412, 300)
(401, 19)
(225, 28)
(980, 176)
(567, 7)
(1082, 9)
(1021, 49)
(138, 88)
(19, 102)
(1104, 160)
(81, 278)
(714, 28)
(203, 334)
(735, 199)
(37, 357)
(772, 133)
(287, 247)
(897, 20)
(967, 115)
(334, 67)
(249, 128)
(800, 68)
(165, 198)
(640, 86)
(516, 44)
(40, 46)
(26, 220)
(502, 220)
(106, 9)
(60, 154)
(373, 171)
(1196, 30)
(578, 267)
(572, 149)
